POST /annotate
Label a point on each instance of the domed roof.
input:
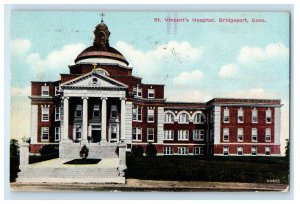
(101, 48)
(97, 52)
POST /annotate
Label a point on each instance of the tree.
(14, 159)
(84, 152)
(137, 151)
(287, 149)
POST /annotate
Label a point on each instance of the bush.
(137, 151)
(84, 152)
(151, 150)
(49, 150)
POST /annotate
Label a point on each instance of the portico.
(93, 110)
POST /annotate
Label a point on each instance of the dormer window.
(139, 92)
(150, 93)
(45, 90)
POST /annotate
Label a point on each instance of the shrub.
(151, 150)
(137, 151)
(49, 151)
(84, 152)
(14, 159)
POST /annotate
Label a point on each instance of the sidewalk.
(151, 185)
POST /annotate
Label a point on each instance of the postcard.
(149, 101)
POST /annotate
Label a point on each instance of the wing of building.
(101, 104)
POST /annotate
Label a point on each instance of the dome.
(101, 52)
(95, 54)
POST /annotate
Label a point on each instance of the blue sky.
(196, 63)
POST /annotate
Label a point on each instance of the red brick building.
(101, 104)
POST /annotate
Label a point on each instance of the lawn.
(220, 169)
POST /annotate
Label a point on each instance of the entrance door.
(113, 130)
(96, 134)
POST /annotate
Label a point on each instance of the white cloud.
(19, 47)
(188, 77)
(18, 91)
(182, 95)
(55, 62)
(252, 93)
(271, 51)
(228, 71)
(161, 61)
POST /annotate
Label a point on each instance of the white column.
(34, 124)
(123, 113)
(65, 137)
(84, 120)
(103, 120)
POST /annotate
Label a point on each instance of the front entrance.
(113, 132)
(96, 133)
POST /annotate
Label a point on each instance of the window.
(198, 118)
(56, 90)
(226, 115)
(168, 150)
(57, 133)
(240, 150)
(94, 81)
(268, 116)
(96, 111)
(240, 115)
(45, 90)
(137, 113)
(57, 113)
(198, 134)
(139, 92)
(198, 151)
(150, 134)
(137, 134)
(268, 150)
(169, 118)
(150, 93)
(268, 135)
(225, 134)
(225, 150)
(254, 135)
(113, 111)
(45, 134)
(253, 150)
(254, 116)
(211, 135)
(150, 115)
(45, 113)
(78, 130)
(169, 135)
(183, 118)
(211, 116)
(240, 134)
(78, 111)
(183, 150)
(183, 134)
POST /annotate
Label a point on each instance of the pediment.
(94, 80)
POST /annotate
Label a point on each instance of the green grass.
(220, 169)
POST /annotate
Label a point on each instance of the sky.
(196, 61)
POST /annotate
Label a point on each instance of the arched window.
(183, 118)
(198, 118)
(169, 118)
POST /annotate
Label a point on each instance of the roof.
(99, 52)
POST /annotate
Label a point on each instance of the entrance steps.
(96, 151)
(55, 171)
